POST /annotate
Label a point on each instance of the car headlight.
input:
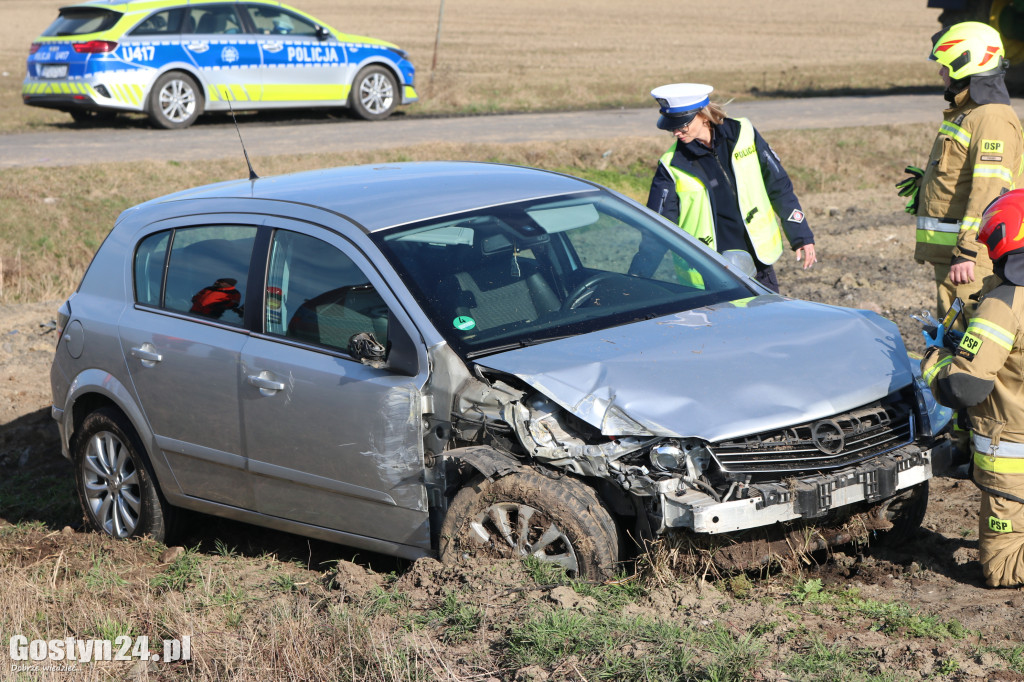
(935, 417)
(690, 458)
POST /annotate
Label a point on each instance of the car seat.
(500, 288)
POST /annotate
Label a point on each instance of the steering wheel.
(584, 290)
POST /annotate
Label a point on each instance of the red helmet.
(1002, 224)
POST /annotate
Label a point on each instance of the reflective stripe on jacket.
(977, 154)
(695, 212)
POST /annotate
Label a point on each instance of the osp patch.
(991, 146)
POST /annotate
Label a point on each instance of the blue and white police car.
(176, 59)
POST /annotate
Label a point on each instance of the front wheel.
(114, 485)
(175, 101)
(906, 512)
(560, 522)
(374, 94)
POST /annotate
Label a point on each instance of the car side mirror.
(322, 33)
(402, 355)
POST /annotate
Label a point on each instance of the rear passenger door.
(334, 437)
(181, 341)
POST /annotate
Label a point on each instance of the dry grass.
(535, 54)
(53, 219)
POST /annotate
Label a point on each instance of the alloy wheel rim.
(111, 485)
(376, 93)
(522, 529)
(177, 101)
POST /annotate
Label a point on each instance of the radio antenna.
(252, 173)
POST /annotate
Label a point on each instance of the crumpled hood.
(719, 372)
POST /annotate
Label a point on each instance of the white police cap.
(680, 103)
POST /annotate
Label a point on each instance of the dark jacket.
(714, 168)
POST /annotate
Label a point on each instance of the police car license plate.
(53, 71)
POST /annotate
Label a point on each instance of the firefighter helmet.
(1002, 224)
(968, 48)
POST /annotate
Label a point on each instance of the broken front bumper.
(805, 497)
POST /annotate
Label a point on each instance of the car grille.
(830, 443)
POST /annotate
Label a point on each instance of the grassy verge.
(258, 616)
(53, 219)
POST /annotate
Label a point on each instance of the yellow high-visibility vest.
(695, 215)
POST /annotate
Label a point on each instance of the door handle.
(266, 383)
(147, 354)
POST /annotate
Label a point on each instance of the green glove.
(910, 187)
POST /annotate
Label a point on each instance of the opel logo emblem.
(828, 436)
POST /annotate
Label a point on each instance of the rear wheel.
(175, 101)
(524, 514)
(116, 488)
(374, 93)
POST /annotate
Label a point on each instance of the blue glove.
(936, 340)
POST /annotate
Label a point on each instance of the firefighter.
(976, 156)
(984, 374)
(723, 184)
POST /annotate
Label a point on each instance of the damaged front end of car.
(866, 461)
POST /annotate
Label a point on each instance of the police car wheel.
(175, 101)
(374, 94)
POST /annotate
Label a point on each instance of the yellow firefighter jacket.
(985, 374)
(978, 153)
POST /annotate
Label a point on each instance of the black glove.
(910, 188)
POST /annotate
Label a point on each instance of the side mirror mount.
(322, 33)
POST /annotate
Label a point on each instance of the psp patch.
(796, 216)
(969, 346)
(991, 146)
(999, 525)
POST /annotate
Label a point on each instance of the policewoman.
(985, 376)
(723, 184)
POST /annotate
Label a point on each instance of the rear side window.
(213, 19)
(77, 21)
(316, 294)
(276, 21)
(166, 22)
(197, 270)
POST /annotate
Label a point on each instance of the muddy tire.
(114, 482)
(375, 94)
(906, 515)
(560, 521)
(175, 101)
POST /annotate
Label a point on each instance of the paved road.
(68, 146)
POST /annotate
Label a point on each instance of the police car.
(176, 59)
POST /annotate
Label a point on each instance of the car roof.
(385, 195)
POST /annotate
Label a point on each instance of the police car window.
(207, 271)
(76, 21)
(276, 21)
(166, 22)
(214, 19)
(316, 294)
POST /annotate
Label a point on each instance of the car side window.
(167, 22)
(214, 19)
(276, 21)
(196, 270)
(316, 294)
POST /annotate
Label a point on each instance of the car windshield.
(514, 275)
(77, 21)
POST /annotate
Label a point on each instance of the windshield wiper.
(515, 345)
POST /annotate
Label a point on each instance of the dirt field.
(919, 612)
(534, 54)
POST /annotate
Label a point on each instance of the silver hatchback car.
(459, 359)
